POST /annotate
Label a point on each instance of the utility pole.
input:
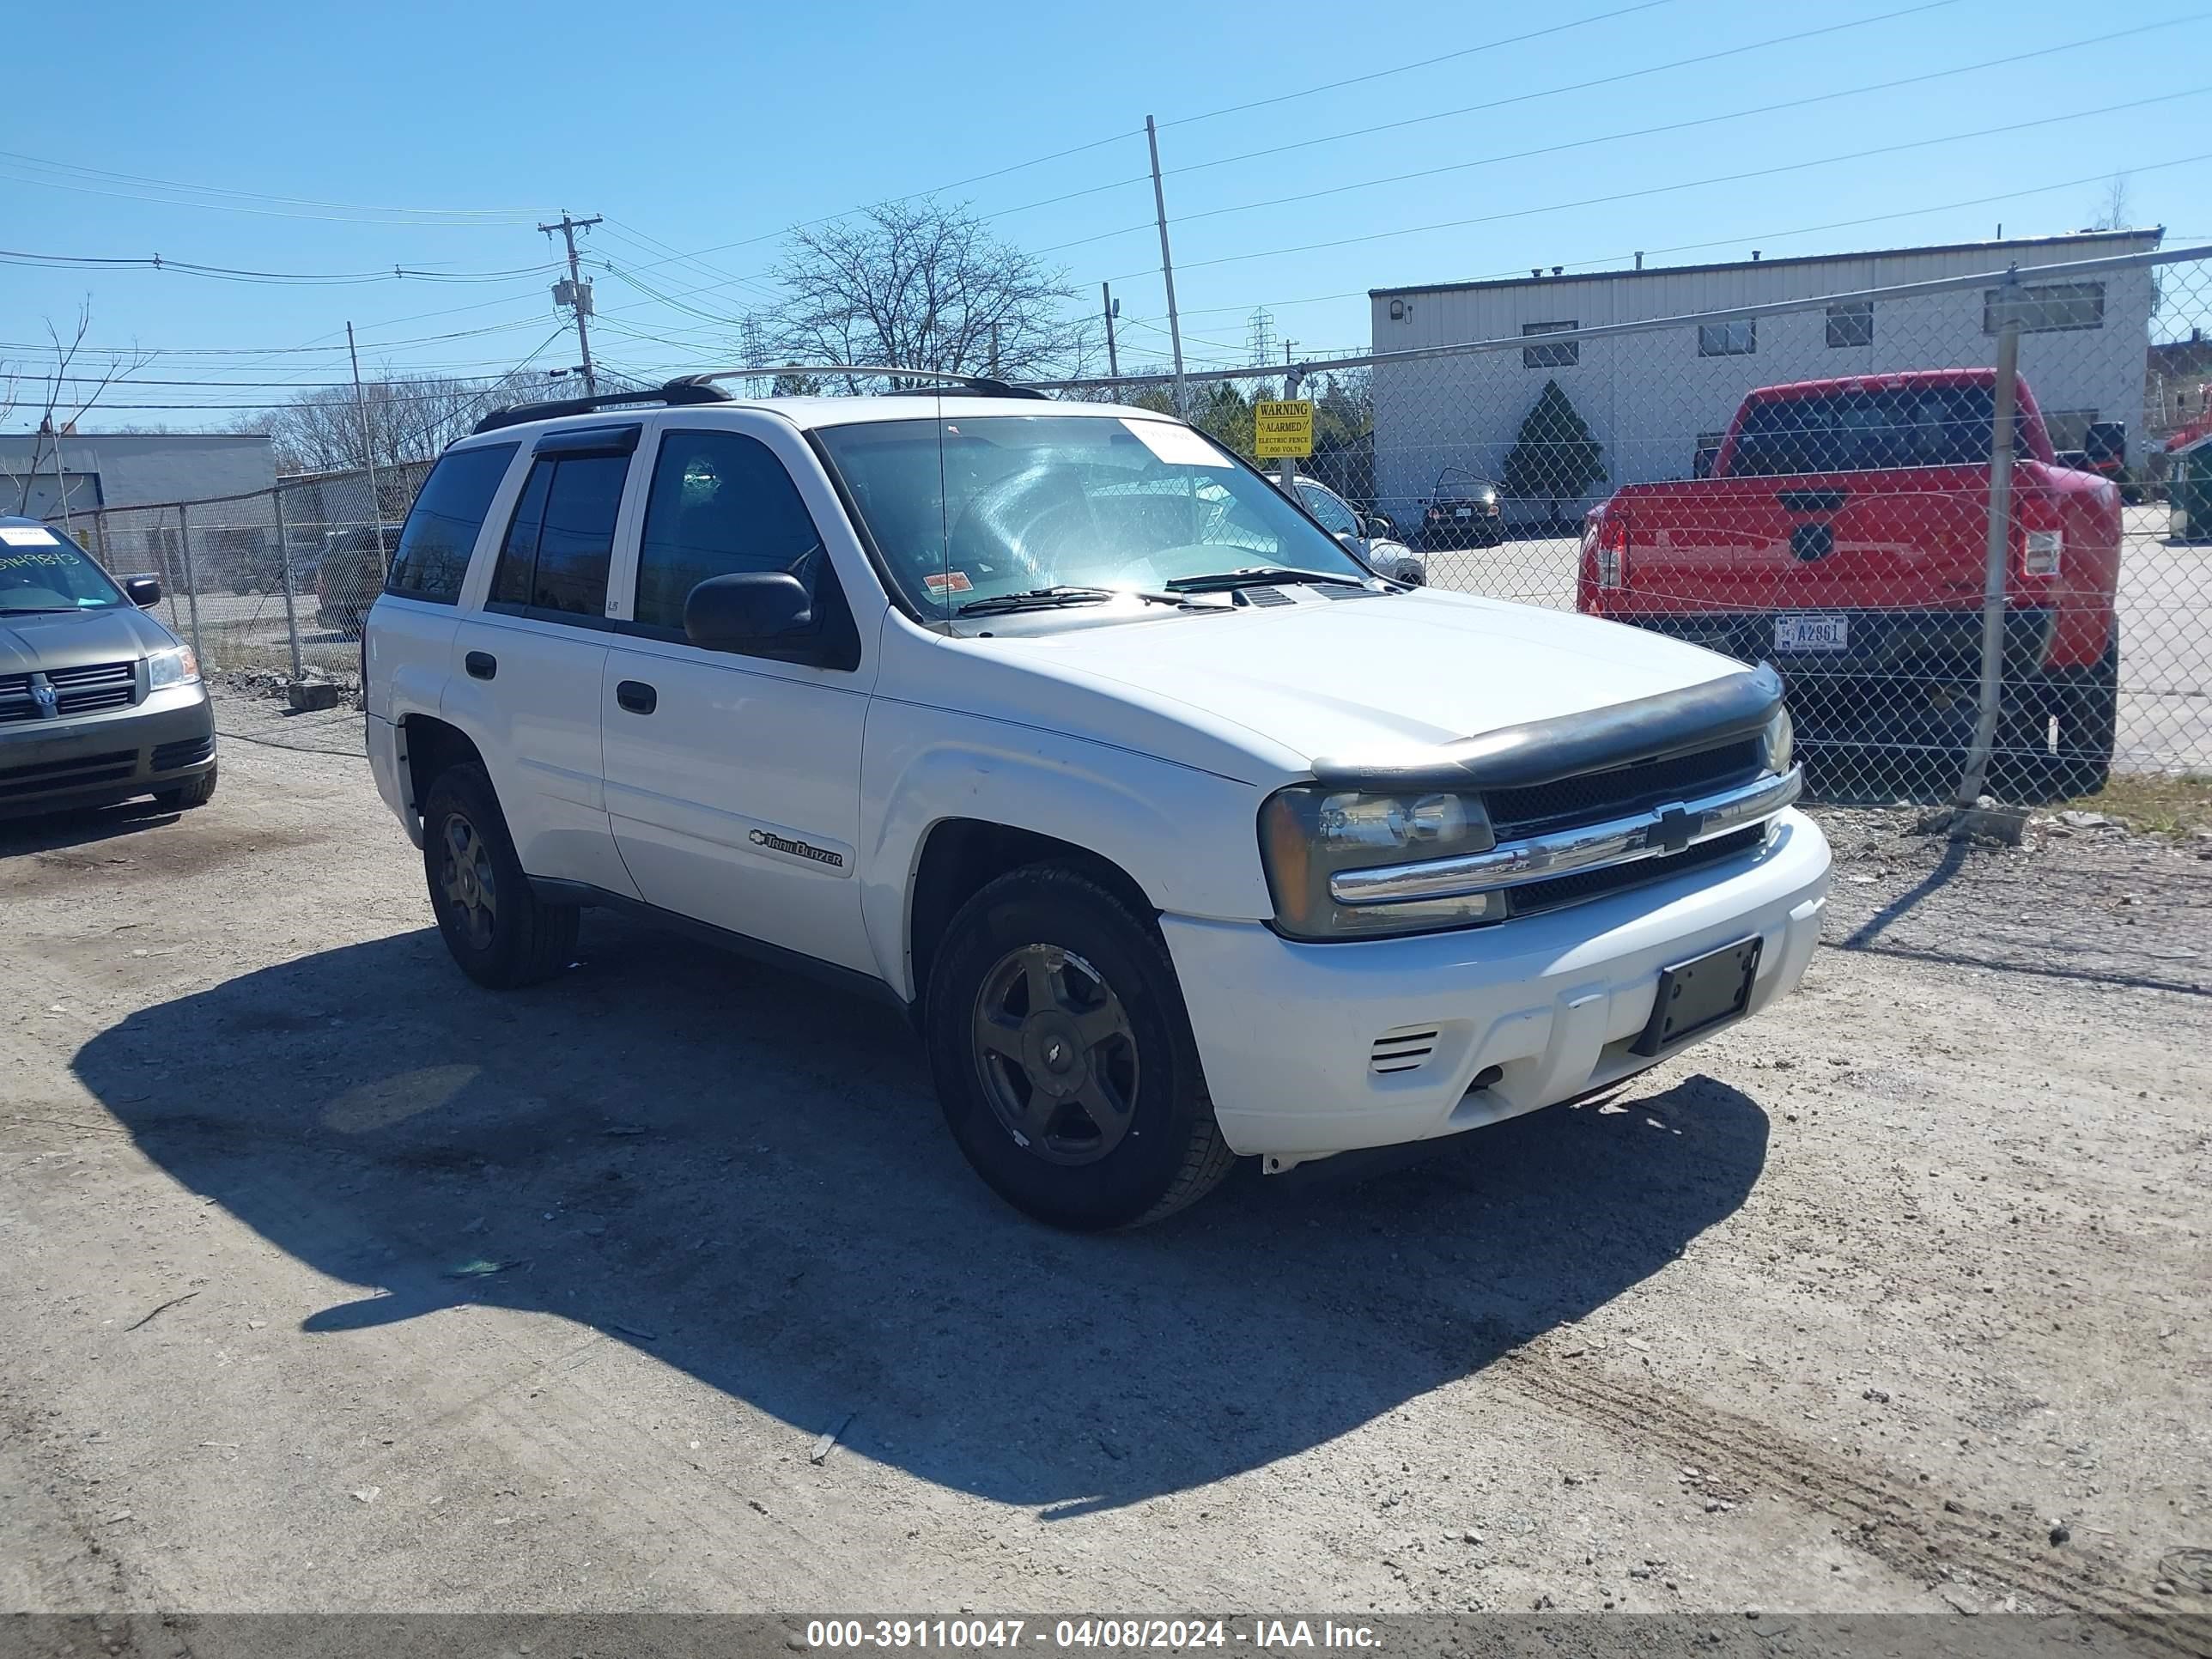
(578, 295)
(368, 458)
(1106, 298)
(1167, 263)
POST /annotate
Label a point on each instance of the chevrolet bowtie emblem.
(43, 698)
(1677, 824)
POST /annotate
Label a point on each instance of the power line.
(191, 268)
(1791, 104)
(458, 216)
(1691, 184)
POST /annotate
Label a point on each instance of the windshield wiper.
(1259, 575)
(1043, 598)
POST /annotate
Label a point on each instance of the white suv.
(1181, 834)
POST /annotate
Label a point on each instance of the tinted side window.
(559, 541)
(579, 535)
(722, 503)
(518, 554)
(441, 528)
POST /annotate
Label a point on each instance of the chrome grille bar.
(1672, 827)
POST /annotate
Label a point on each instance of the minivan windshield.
(979, 507)
(40, 569)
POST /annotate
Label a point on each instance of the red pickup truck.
(1842, 536)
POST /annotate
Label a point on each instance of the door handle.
(636, 696)
(480, 664)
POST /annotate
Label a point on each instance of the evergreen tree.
(1555, 458)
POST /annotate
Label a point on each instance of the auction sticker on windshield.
(26, 535)
(1178, 446)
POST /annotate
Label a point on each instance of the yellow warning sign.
(1282, 429)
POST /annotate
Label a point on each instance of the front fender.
(1188, 838)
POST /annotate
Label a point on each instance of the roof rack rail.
(687, 389)
(975, 385)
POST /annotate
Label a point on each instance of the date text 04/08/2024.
(1167, 1635)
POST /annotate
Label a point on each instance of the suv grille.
(84, 690)
(1561, 890)
(1596, 796)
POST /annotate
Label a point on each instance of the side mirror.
(145, 592)
(753, 611)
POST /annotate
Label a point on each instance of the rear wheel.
(2084, 702)
(1063, 1056)
(499, 931)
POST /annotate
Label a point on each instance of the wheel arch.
(429, 746)
(960, 856)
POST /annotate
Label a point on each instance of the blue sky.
(712, 126)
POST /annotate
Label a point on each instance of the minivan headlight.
(1777, 741)
(173, 667)
(1308, 834)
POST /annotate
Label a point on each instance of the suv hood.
(75, 639)
(1376, 679)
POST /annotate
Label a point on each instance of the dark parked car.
(1461, 511)
(99, 702)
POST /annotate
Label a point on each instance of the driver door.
(734, 780)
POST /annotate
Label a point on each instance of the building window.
(1850, 324)
(1736, 339)
(1565, 354)
(2048, 309)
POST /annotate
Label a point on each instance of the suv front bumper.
(91, 760)
(1306, 1046)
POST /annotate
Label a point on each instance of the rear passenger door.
(734, 780)
(527, 667)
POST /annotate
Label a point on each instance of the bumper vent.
(1406, 1049)
(113, 768)
(186, 751)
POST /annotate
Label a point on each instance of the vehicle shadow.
(747, 1178)
(77, 827)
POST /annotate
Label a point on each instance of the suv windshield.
(42, 570)
(968, 509)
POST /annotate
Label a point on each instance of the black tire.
(2086, 702)
(517, 940)
(198, 793)
(1169, 1151)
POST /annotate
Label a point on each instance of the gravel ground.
(335, 1283)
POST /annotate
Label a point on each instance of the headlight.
(1307, 834)
(1777, 740)
(176, 667)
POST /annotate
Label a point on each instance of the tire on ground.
(530, 940)
(1172, 1153)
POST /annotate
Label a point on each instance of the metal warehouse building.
(1650, 399)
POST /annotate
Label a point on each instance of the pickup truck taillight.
(2042, 542)
(1609, 559)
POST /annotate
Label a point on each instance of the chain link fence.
(1859, 524)
(1956, 601)
(278, 580)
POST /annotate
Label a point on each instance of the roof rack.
(702, 389)
(976, 385)
(675, 391)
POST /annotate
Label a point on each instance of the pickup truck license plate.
(1812, 632)
(1698, 994)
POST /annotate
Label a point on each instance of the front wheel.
(197, 793)
(1063, 1056)
(499, 931)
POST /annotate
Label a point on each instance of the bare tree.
(63, 408)
(925, 286)
(410, 417)
(2113, 207)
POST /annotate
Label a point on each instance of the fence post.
(284, 574)
(191, 585)
(1997, 545)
